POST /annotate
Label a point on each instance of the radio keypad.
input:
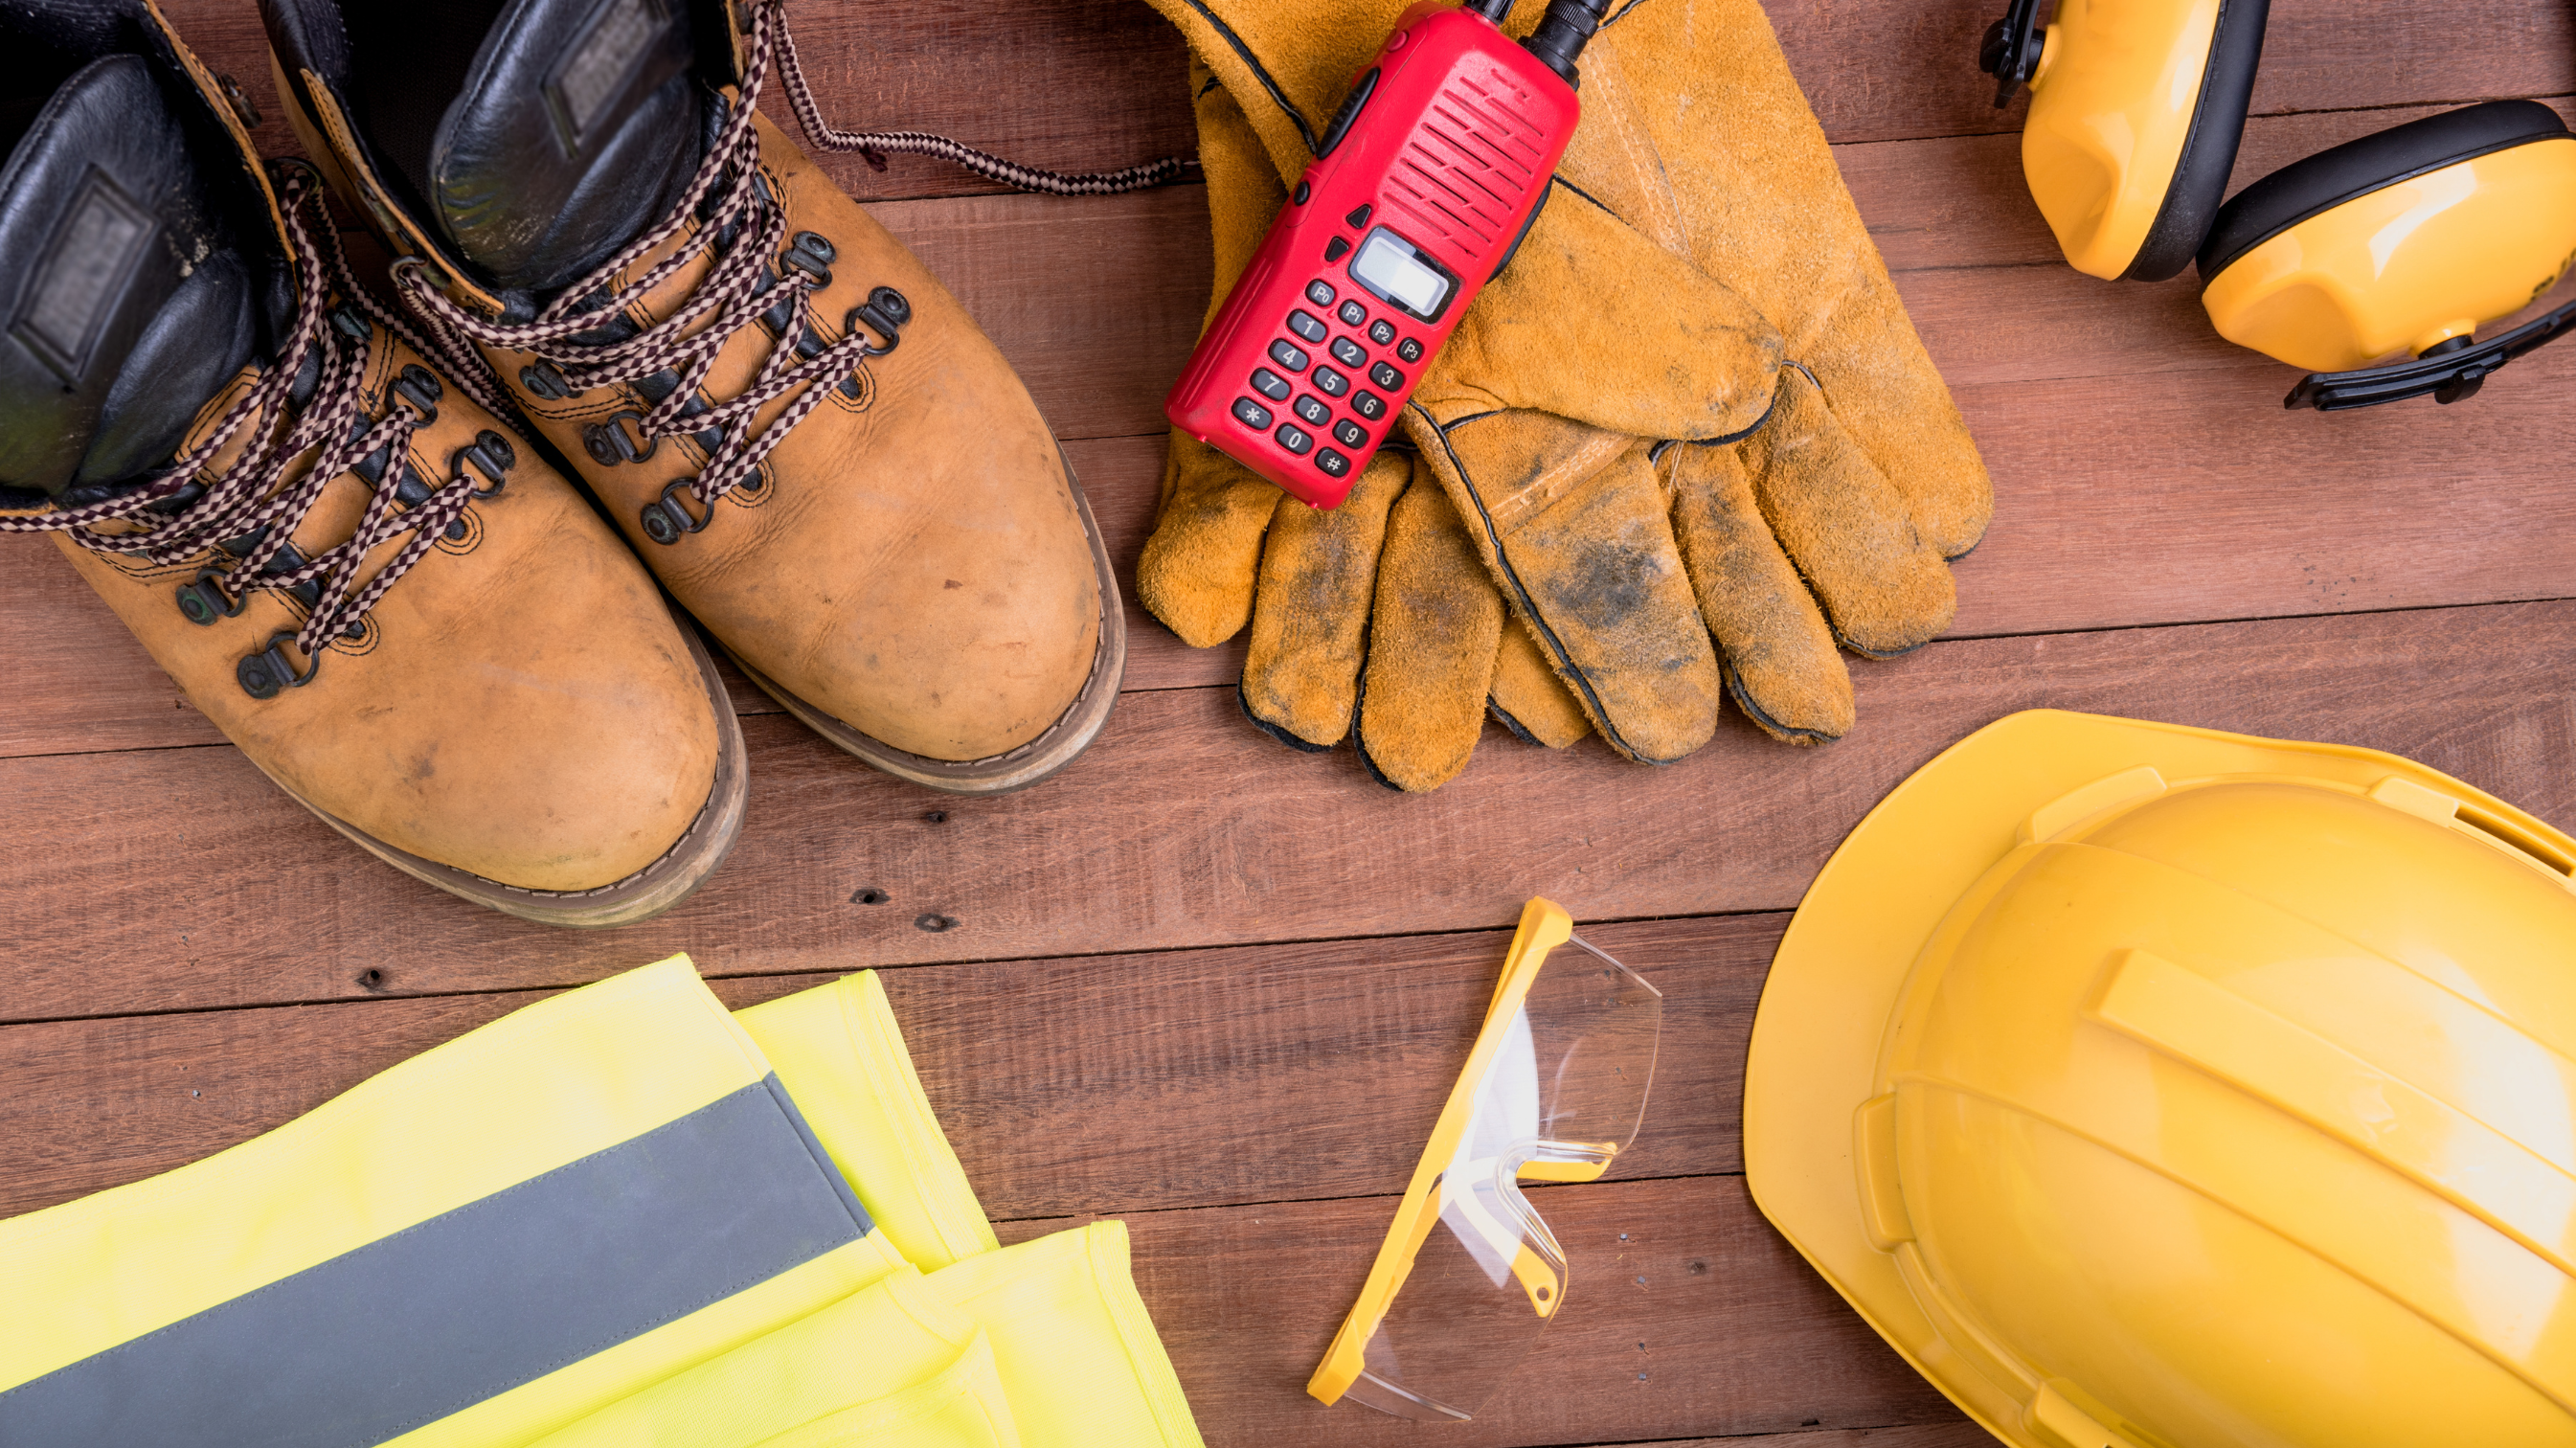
(1312, 410)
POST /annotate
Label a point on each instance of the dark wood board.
(1183, 827)
(1086, 1085)
(1068, 85)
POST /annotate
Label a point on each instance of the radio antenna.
(1562, 34)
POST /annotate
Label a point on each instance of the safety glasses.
(1468, 1275)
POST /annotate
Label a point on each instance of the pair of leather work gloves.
(1690, 408)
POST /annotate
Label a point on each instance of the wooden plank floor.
(1217, 987)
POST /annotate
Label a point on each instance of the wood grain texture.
(1185, 828)
(1068, 1086)
(1066, 84)
(1704, 1321)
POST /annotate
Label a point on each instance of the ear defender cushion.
(2328, 179)
(2209, 151)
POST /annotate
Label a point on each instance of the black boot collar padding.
(2209, 147)
(2328, 179)
(128, 301)
(535, 141)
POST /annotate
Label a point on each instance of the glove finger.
(1766, 208)
(1882, 587)
(1527, 695)
(1432, 640)
(1891, 401)
(1666, 351)
(1780, 660)
(1197, 571)
(1572, 524)
(1310, 613)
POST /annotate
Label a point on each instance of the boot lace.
(249, 513)
(580, 340)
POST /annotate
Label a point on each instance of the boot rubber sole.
(1053, 749)
(646, 893)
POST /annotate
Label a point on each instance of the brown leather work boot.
(798, 427)
(371, 585)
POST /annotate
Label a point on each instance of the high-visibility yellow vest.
(622, 1214)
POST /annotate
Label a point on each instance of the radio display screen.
(1389, 265)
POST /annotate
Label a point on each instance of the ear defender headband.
(2410, 238)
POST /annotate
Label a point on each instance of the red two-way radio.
(1421, 188)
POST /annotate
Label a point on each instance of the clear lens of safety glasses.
(1469, 1275)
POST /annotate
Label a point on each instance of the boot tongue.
(577, 129)
(126, 305)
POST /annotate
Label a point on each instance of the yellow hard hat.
(2150, 1087)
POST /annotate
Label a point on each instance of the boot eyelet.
(352, 323)
(885, 311)
(265, 673)
(422, 389)
(811, 253)
(491, 455)
(608, 443)
(203, 600)
(545, 380)
(666, 519)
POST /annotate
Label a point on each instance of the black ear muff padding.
(2328, 179)
(2209, 149)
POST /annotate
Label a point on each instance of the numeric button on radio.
(1294, 438)
(1348, 352)
(1352, 314)
(1411, 351)
(1313, 411)
(1270, 384)
(1331, 464)
(1303, 323)
(1385, 376)
(1381, 331)
(1331, 383)
(1252, 414)
(1289, 357)
(1320, 293)
(1345, 432)
(1368, 404)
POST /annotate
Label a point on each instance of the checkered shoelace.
(248, 514)
(742, 226)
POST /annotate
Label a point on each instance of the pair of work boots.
(328, 521)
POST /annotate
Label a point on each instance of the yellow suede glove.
(1833, 522)
(1378, 610)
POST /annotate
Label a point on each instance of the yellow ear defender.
(2407, 240)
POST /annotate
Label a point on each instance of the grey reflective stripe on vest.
(473, 1302)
